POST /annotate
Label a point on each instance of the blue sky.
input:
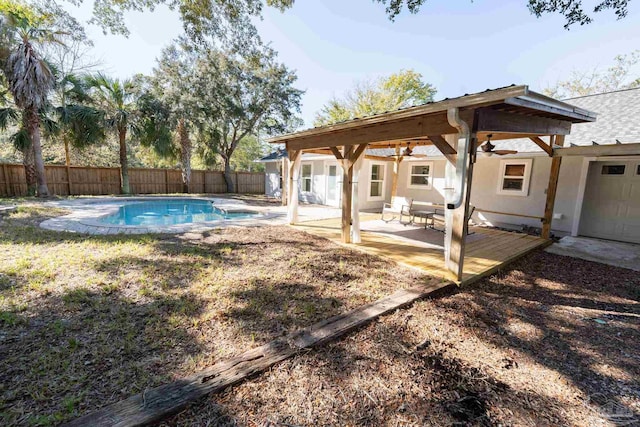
(460, 46)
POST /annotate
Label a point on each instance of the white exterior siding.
(272, 179)
(484, 192)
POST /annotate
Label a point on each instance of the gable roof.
(618, 119)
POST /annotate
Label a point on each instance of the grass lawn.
(86, 321)
(89, 320)
(552, 341)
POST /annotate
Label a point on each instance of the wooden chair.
(400, 206)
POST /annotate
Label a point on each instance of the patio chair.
(399, 206)
(439, 216)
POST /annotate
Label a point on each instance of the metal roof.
(510, 98)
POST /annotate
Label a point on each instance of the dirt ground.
(89, 320)
(551, 341)
(86, 321)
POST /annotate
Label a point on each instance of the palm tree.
(115, 99)
(78, 124)
(30, 79)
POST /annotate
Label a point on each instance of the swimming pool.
(171, 212)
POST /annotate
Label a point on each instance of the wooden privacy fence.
(93, 181)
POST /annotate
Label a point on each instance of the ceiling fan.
(488, 148)
(408, 152)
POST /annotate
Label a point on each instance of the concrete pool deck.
(86, 213)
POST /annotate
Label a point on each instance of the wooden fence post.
(166, 181)
(237, 183)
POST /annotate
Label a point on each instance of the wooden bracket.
(445, 148)
(540, 143)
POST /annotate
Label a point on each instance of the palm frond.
(8, 116)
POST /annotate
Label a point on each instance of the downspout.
(464, 137)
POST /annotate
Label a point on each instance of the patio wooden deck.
(486, 253)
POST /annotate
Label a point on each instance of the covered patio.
(456, 127)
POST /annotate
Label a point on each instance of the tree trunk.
(33, 129)
(185, 155)
(67, 154)
(227, 174)
(30, 170)
(124, 166)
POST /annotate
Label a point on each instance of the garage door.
(611, 208)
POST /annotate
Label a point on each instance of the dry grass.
(552, 341)
(86, 321)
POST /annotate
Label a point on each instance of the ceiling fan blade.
(504, 152)
(419, 156)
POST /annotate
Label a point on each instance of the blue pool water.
(170, 212)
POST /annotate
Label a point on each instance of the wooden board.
(483, 255)
(160, 402)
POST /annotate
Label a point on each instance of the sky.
(459, 46)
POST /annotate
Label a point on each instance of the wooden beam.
(600, 150)
(502, 122)
(336, 153)
(380, 158)
(396, 170)
(551, 191)
(540, 143)
(413, 127)
(283, 190)
(358, 152)
(347, 188)
(294, 176)
(576, 113)
(445, 148)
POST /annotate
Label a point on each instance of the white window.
(376, 182)
(420, 175)
(514, 177)
(307, 179)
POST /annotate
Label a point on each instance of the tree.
(399, 90)
(242, 95)
(572, 10)
(29, 79)
(621, 75)
(173, 85)
(75, 122)
(114, 98)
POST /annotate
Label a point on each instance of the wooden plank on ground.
(160, 402)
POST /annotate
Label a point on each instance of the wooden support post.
(457, 220)
(460, 223)
(551, 191)
(283, 181)
(355, 208)
(347, 178)
(396, 170)
(295, 157)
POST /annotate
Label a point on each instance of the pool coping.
(85, 213)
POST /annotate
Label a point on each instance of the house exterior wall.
(364, 185)
(484, 193)
(272, 179)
